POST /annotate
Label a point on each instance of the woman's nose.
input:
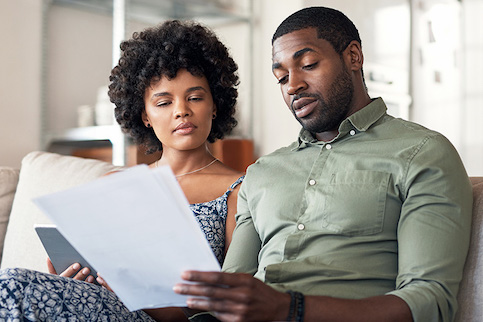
(182, 110)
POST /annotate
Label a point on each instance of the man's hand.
(75, 271)
(234, 296)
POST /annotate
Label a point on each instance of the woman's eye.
(195, 99)
(163, 104)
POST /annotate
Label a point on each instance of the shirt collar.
(361, 121)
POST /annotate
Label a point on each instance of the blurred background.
(424, 57)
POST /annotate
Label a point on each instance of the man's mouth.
(303, 106)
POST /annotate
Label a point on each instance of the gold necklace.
(184, 174)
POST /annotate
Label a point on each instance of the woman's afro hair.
(161, 51)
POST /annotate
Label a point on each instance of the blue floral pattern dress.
(27, 295)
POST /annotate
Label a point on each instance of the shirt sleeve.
(433, 231)
(242, 255)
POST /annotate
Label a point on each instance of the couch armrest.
(8, 185)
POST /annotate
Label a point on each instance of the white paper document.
(136, 229)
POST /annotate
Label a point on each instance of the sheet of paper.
(136, 229)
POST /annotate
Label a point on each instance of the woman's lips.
(185, 128)
(304, 106)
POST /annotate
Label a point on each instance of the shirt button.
(328, 146)
(301, 226)
(352, 132)
(312, 182)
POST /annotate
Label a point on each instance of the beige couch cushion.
(41, 173)
(470, 296)
(8, 185)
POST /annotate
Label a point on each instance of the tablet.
(61, 253)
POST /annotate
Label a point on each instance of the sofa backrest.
(470, 296)
(44, 173)
(41, 173)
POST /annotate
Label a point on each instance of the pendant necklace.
(197, 170)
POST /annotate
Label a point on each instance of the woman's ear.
(214, 111)
(354, 56)
(146, 122)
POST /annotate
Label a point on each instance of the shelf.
(92, 136)
(211, 12)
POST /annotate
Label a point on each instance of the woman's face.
(180, 110)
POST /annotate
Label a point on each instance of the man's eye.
(283, 80)
(310, 66)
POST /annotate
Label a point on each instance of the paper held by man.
(136, 229)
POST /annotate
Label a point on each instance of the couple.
(364, 218)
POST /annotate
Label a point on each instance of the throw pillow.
(42, 173)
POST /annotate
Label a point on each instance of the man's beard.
(331, 111)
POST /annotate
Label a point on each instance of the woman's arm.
(230, 218)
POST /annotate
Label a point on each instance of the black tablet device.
(61, 253)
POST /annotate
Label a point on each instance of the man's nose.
(295, 85)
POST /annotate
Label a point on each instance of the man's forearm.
(379, 308)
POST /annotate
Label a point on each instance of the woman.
(175, 91)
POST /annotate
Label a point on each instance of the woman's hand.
(102, 282)
(74, 271)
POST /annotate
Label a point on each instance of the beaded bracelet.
(297, 306)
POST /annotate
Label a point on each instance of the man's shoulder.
(273, 161)
(278, 153)
(403, 128)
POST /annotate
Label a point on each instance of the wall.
(20, 75)
(472, 84)
(273, 124)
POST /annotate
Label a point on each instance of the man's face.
(315, 82)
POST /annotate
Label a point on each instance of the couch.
(43, 173)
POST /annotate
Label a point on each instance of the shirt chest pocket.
(355, 202)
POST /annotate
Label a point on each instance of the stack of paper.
(136, 229)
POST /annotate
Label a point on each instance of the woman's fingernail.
(85, 271)
(76, 266)
(177, 289)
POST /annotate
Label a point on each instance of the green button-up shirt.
(383, 208)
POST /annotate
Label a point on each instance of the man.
(366, 215)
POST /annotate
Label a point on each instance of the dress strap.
(233, 186)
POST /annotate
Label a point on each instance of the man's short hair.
(332, 25)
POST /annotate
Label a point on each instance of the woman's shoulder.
(229, 176)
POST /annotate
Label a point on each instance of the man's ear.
(354, 56)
